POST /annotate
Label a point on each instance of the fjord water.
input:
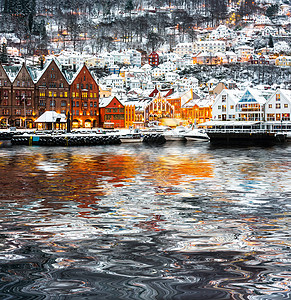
(179, 221)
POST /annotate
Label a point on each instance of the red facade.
(154, 59)
(52, 90)
(112, 113)
(85, 100)
(23, 101)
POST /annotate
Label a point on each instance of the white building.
(278, 106)
(171, 76)
(221, 32)
(224, 106)
(114, 81)
(134, 57)
(244, 52)
(184, 48)
(210, 46)
(250, 106)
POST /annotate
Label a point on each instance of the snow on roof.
(51, 117)
(12, 71)
(103, 102)
(286, 93)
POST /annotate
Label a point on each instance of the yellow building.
(129, 115)
(283, 61)
(104, 92)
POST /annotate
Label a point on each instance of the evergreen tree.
(271, 43)
(129, 5)
(3, 54)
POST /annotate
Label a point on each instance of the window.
(78, 86)
(95, 104)
(219, 107)
(77, 103)
(41, 103)
(50, 93)
(278, 105)
(84, 95)
(91, 86)
(223, 98)
(42, 94)
(73, 94)
(77, 113)
(270, 105)
(91, 104)
(5, 112)
(18, 111)
(232, 107)
(277, 97)
(63, 103)
(84, 113)
(52, 103)
(285, 105)
(66, 94)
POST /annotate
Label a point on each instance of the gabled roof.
(27, 70)
(253, 95)
(12, 71)
(51, 117)
(39, 73)
(75, 75)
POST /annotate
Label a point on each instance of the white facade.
(134, 57)
(210, 46)
(221, 32)
(278, 106)
(184, 48)
(171, 76)
(244, 52)
(114, 81)
(224, 106)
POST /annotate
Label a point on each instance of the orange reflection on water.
(174, 170)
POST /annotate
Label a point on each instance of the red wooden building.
(5, 98)
(23, 101)
(154, 59)
(52, 90)
(85, 99)
(111, 113)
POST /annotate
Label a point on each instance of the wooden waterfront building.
(85, 99)
(5, 98)
(52, 90)
(111, 113)
(23, 110)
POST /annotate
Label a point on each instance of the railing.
(245, 130)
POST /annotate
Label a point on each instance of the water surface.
(180, 221)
